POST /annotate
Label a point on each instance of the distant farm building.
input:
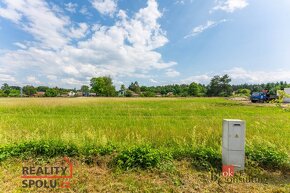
(79, 94)
(71, 94)
(135, 95)
(39, 94)
(121, 93)
(92, 94)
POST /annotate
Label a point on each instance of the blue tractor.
(262, 96)
(258, 97)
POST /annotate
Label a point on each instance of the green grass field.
(163, 123)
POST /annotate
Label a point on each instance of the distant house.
(71, 94)
(79, 94)
(39, 94)
(170, 94)
(158, 95)
(86, 94)
(92, 94)
(135, 94)
(121, 93)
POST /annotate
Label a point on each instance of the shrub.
(268, 157)
(2, 94)
(243, 92)
(142, 157)
(206, 159)
(129, 93)
(90, 150)
(202, 158)
(14, 93)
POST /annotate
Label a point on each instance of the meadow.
(141, 144)
(162, 122)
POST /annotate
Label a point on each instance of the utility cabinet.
(233, 144)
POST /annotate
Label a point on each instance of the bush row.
(144, 156)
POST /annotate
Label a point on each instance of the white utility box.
(233, 144)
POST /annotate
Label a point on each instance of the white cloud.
(32, 80)
(51, 77)
(182, 2)
(80, 31)
(105, 7)
(203, 79)
(71, 7)
(123, 49)
(71, 70)
(72, 82)
(153, 81)
(201, 28)
(230, 5)
(46, 26)
(172, 73)
(6, 78)
(84, 10)
(142, 30)
(240, 75)
(10, 13)
(20, 45)
(179, 2)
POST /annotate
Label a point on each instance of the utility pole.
(21, 91)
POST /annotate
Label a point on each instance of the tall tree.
(123, 88)
(29, 90)
(42, 88)
(52, 92)
(103, 86)
(135, 87)
(194, 89)
(6, 89)
(220, 86)
(85, 89)
(14, 93)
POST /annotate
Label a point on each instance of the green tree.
(51, 92)
(122, 91)
(2, 94)
(220, 86)
(14, 93)
(148, 94)
(85, 89)
(123, 88)
(103, 86)
(135, 87)
(6, 89)
(128, 93)
(29, 90)
(194, 89)
(42, 88)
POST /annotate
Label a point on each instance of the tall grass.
(163, 123)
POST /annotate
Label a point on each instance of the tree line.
(219, 86)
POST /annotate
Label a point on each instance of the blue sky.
(156, 42)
